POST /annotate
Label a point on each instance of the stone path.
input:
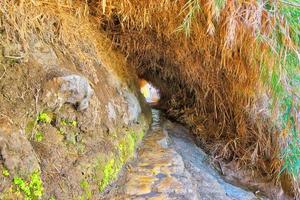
(170, 166)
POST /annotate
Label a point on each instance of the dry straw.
(207, 58)
(64, 24)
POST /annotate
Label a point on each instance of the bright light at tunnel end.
(150, 93)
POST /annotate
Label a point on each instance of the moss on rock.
(32, 189)
(126, 148)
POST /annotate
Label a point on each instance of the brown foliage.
(210, 80)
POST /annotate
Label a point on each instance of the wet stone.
(160, 175)
(171, 170)
(139, 185)
(170, 185)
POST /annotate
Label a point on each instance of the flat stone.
(159, 197)
(174, 170)
(169, 185)
(139, 185)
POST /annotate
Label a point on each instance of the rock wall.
(67, 127)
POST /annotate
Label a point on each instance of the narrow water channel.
(170, 166)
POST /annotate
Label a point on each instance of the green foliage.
(291, 12)
(292, 157)
(110, 171)
(291, 153)
(291, 101)
(5, 172)
(61, 130)
(23, 186)
(63, 122)
(44, 117)
(67, 128)
(86, 189)
(284, 79)
(219, 5)
(127, 145)
(74, 123)
(39, 136)
(32, 190)
(67, 122)
(193, 8)
(126, 148)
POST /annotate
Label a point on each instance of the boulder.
(73, 89)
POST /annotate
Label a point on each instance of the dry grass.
(206, 57)
(66, 25)
(213, 76)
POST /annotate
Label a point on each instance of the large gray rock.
(73, 89)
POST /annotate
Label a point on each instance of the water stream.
(170, 166)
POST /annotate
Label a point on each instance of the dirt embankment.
(68, 120)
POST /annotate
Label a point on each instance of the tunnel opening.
(150, 92)
(194, 88)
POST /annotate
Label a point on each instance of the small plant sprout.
(39, 136)
(32, 190)
(87, 193)
(64, 122)
(74, 123)
(67, 122)
(5, 172)
(44, 118)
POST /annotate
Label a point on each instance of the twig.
(3, 72)
(14, 57)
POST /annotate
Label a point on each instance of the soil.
(68, 146)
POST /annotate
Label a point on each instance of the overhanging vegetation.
(227, 69)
